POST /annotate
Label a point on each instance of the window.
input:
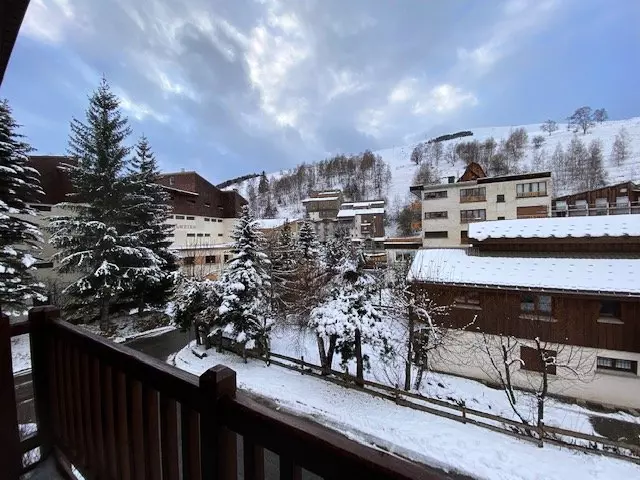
(189, 235)
(207, 234)
(478, 194)
(211, 259)
(189, 260)
(533, 189)
(191, 218)
(464, 236)
(434, 215)
(602, 206)
(441, 234)
(172, 181)
(200, 234)
(468, 300)
(219, 220)
(617, 364)
(219, 234)
(538, 306)
(207, 219)
(500, 218)
(609, 312)
(41, 208)
(227, 258)
(434, 195)
(500, 198)
(179, 217)
(534, 360)
(468, 216)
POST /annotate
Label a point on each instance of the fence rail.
(114, 413)
(465, 414)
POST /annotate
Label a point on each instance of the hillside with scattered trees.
(585, 151)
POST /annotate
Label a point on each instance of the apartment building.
(363, 220)
(203, 217)
(449, 208)
(569, 282)
(322, 209)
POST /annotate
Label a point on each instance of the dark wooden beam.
(11, 15)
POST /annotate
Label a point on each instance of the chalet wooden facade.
(619, 199)
(568, 281)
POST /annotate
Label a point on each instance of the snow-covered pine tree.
(336, 250)
(98, 240)
(245, 285)
(349, 316)
(153, 283)
(307, 243)
(19, 237)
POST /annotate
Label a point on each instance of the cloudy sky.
(229, 87)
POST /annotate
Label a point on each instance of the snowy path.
(425, 438)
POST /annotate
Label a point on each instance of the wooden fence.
(115, 413)
(462, 413)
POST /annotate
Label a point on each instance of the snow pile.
(456, 266)
(561, 227)
(429, 439)
(21, 353)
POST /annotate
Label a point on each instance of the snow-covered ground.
(403, 171)
(421, 437)
(21, 353)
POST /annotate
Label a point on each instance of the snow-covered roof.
(597, 275)
(558, 227)
(360, 211)
(319, 199)
(267, 223)
(370, 203)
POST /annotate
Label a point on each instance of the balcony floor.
(45, 471)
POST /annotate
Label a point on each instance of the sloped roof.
(455, 266)
(627, 225)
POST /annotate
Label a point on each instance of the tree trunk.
(507, 374)
(407, 368)
(332, 348)
(141, 306)
(359, 361)
(419, 376)
(104, 314)
(323, 355)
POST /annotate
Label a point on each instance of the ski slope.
(403, 171)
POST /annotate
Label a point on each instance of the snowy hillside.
(403, 170)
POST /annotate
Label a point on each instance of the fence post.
(218, 445)
(540, 433)
(11, 458)
(302, 364)
(39, 328)
(464, 413)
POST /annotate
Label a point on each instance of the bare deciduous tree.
(582, 119)
(621, 149)
(600, 115)
(549, 126)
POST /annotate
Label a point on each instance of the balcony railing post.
(11, 456)
(218, 445)
(39, 327)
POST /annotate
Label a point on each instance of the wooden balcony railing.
(596, 210)
(115, 413)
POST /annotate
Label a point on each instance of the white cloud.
(520, 18)
(46, 20)
(344, 82)
(444, 98)
(139, 111)
(403, 91)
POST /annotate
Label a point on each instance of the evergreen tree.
(336, 249)
(153, 284)
(307, 243)
(284, 263)
(245, 287)
(348, 315)
(19, 237)
(263, 185)
(99, 240)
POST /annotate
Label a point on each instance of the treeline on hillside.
(451, 136)
(235, 180)
(360, 177)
